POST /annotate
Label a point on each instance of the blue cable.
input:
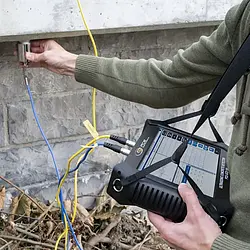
(82, 160)
(54, 162)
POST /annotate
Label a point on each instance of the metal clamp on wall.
(22, 48)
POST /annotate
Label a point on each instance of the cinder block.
(32, 165)
(64, 116)
(41, 81)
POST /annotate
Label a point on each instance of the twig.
(54, 231)
(96, 239)
(5, 242)
(121, 245)
(141, 243)
(33, 247)
(6, 245)
(34, 223)
(89, 195)
(41, 216)
(19, 230)
(124, 246)
(19, 215)
(20, 190)
(9, 237)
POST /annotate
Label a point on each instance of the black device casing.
(161, 196)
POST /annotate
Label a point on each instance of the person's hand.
(197, 232)
(50, 55)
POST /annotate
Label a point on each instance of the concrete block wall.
(63, 104)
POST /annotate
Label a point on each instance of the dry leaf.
(82, 210)
(101, 201)
(83, 213)
(50, 226)
(107, 209)
(24, 206)
(2, 197)
(67, 205)
(13, 208)
(79, 238)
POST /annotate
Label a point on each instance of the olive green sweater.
(173, 83)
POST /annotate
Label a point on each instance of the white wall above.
(26, 17)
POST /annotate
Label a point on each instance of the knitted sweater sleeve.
(190, 75)
(226, 242)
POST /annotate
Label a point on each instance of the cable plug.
(116, 148)
(122, 140)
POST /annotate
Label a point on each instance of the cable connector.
(122, 140)
(116, 148)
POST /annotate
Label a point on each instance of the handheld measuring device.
(203, 160)
(164, 157)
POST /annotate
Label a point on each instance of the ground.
(30, 224)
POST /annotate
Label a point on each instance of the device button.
(117, 185)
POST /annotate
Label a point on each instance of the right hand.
(50, 55)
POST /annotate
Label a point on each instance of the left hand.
(197, 232)
(52, 56)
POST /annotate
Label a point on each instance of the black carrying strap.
(215, 131)
(192, 115)
(182, 118)
(239, 66)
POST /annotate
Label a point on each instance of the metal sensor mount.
(22, 48)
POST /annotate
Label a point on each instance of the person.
(191, 74)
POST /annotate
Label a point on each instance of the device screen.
(200, 161)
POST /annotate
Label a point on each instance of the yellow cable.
(87, 28)
(96, 54)
(93, 107)
(94, 125)
(75, 199)
(75, 182)
(65, 233)
(72, 158)
(59, 239)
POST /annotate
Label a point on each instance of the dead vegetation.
(30, 224)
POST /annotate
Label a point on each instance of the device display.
(200, 161)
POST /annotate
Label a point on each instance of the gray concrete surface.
(62, 104)
(33, 18)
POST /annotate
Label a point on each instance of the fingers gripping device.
(164, 157)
